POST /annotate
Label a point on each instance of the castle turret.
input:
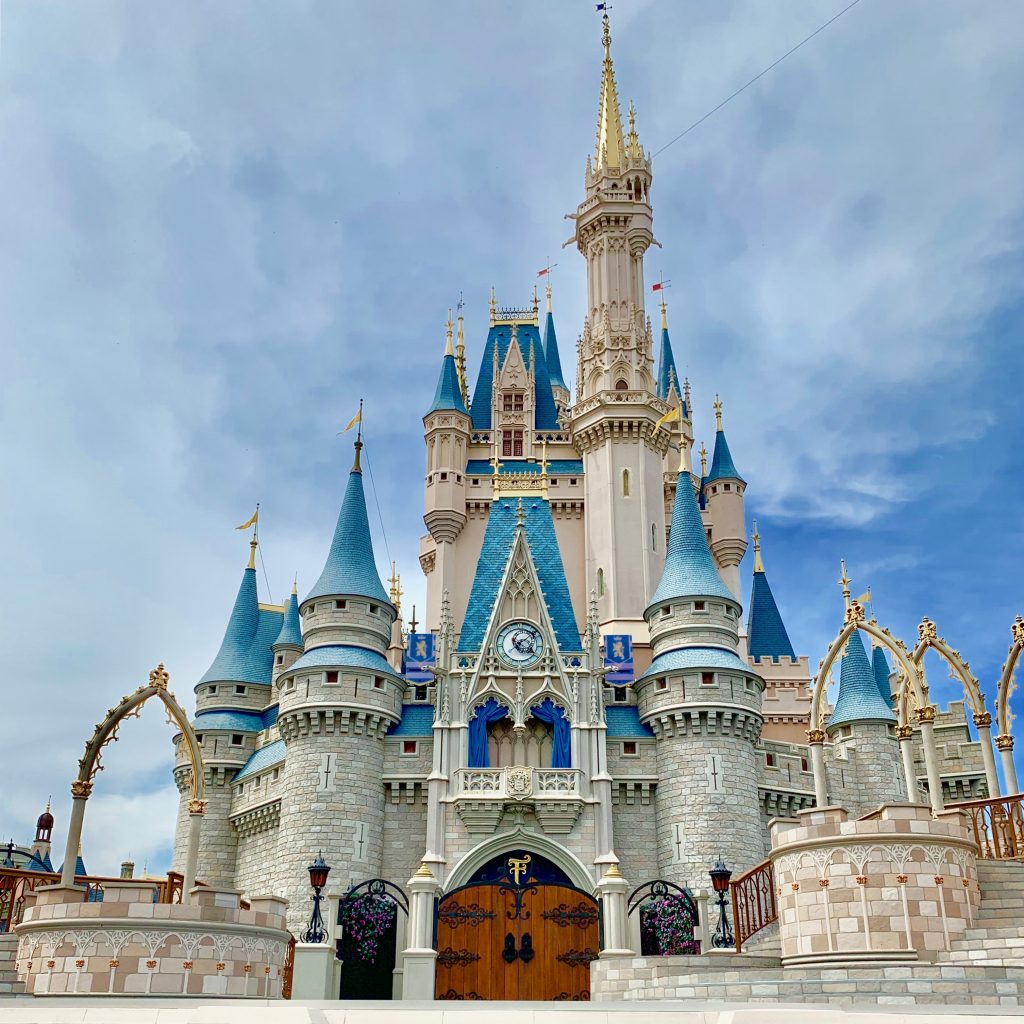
(723, 493)
(337, 702)
(703, 703)
(880, 670)
(615, 418)
(288, 645)
(41, 845)
(862, 728)
(446, 433)
(553, 360)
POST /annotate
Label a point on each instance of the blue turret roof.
(722, 466)
(291, 630)
(859, 699)
(350, 567)
(490, 569)
(689, 568)
(245, 655)
(667, 373)
(766, 632)
(79, 867)
(498, 339)
(344, 656)
(551, 354)
(448, 394)
(880, 668)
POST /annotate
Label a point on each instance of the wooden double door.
(500, 940)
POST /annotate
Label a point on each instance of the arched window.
(600, 582)
(621, 385)
(625, 483)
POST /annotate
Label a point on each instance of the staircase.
(9, 984)
(997, 938)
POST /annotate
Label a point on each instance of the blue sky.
(224, 223)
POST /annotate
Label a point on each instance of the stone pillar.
(613, 890)
(905, 734)
(926, 719)
(983, 723)
(80, 792)
(1004, 744)
(816, 740)
(419, 957)
(196, 809)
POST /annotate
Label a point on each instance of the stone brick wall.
(871, 751)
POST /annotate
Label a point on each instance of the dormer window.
(339, 604)
(512, 444)
(512, 401)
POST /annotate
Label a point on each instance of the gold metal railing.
(998, 826)
(753, 902)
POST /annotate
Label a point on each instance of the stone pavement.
(23, 1010)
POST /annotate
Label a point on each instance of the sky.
(223, 224)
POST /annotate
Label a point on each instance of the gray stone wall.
(218, 841)
(405, 830)
(636, 839)
(260, 869)
(871, 755)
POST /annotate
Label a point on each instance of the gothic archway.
(1004, 716)
(92, 762)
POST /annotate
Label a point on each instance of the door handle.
(509, 954)
(526, 951)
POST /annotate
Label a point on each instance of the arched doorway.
(518, 929)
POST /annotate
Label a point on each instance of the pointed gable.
(689, 568)
(350, 566)
(766, 632)
(859, 699)
(499, 537)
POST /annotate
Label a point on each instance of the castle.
(598, 700)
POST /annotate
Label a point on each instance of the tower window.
(662, 684)
(619, 694)
(707, 679)
(600, 582)
(699, 606)
(771, 761)
(726, 487)
(444, 476)
(408, 746)
(311, 609)
(332, 677)
(378, 683)
(621, 385)
(625, 483)
(572, 481)
(339, 604)
(374, 609)
(512, 444)
(654, 535)
(236, 739)
(280, 659)
(512, 401)
(239, 689)
(629, 748)
(804, 766)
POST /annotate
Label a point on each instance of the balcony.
(482, 796)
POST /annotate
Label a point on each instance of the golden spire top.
(295, 585)
(844, 582)
(396, 588)
(547, 291)
(610, 146)
(718, 413)
(664, 315)
(448, 350)
(758, 564)
(703, 460)
(684, 447)
(536, 301)
(460, 355)
(633, 140)
(686, 393)
(252, 553)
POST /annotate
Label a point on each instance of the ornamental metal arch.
(92, 762)
(1004, 716)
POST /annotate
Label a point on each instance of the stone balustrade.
(481, 795)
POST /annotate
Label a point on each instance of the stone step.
(977, 935)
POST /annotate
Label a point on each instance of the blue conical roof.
(689, 568)
(859, 699)
(244, 655)
(722, 466)
(291, 631)
(880, 668)
(766, 632)
(667, 373)
(350, 567)
(448, 394)
(551, 356)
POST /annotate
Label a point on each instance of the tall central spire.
(610, 145)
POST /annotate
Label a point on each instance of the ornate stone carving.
(926, 630)
(1004, 743)
(983, 720)
(519, 781)
(925, 714)
(81, 790)
(904, 733)
(159, 677)
(815, 736)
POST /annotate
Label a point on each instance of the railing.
(753, 902)
(289, 970)
(15, 884)
(998, 826)
(517, 783)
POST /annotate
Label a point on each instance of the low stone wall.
(898, 884)
(129, 945)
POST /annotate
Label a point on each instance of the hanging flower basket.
(366, 920)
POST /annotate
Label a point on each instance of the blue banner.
(420, 658)
(618, 658)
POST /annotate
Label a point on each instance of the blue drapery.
(485, 714)
(561, 746)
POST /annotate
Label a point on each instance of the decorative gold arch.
(1004, 716)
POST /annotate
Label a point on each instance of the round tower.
(723, 495)
(287, 648)
(704, 705)
(337, 701)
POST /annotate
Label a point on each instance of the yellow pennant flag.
(358, 418)
(671, 416)
(864, 597)
(250, 522)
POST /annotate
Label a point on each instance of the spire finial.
(396, 587)
(686, 392)
(609, 121)
(664, 314)
(718, 413)
(547, 292)
(356, 466)
(520, 514)
(684, 447)
(758, 564)
(460, 355)
(295, 585)
(252, 553)
(412, 622)
(703, 460)
(844, 582)
(536, 300)
(448, 350)
(494, 307)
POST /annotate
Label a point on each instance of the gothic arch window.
(625, 483)
(621, 385)
(600, 582)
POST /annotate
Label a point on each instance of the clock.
(520, 644)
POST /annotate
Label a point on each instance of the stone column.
(905, 734)
(419, 957)
(612, 890)
(926, 719)
(983, 723)
(80, 792)
(1004, 744)
(196, 809)
(816, 740)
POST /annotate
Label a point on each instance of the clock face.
(520, 644)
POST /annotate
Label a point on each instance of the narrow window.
(629, 748)
(280, 659)
(770, 760)
(517, 444)
(804, 766)
(662, 684)
(600, 582)
(420, 693)
(274, 777)
(625, 483)
(654, 535)
(378, 683)
(332, 677)
(621, 385)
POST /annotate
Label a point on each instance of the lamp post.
(318, 872)
(723, 937)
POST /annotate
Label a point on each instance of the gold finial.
(396, 588)
(536, 301)
(448, 350)
(547, 291)
(520, 514)
(460, 355)
(495, 464)
(252, 553)
(633, 140)
(718, 413)
(844, 582)
(686, 393)
(758, 564)
(609, 119)
(544, 458)
(356, 467)
(664, 315)
(683, 449)
(703, 460)
(295, 585)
